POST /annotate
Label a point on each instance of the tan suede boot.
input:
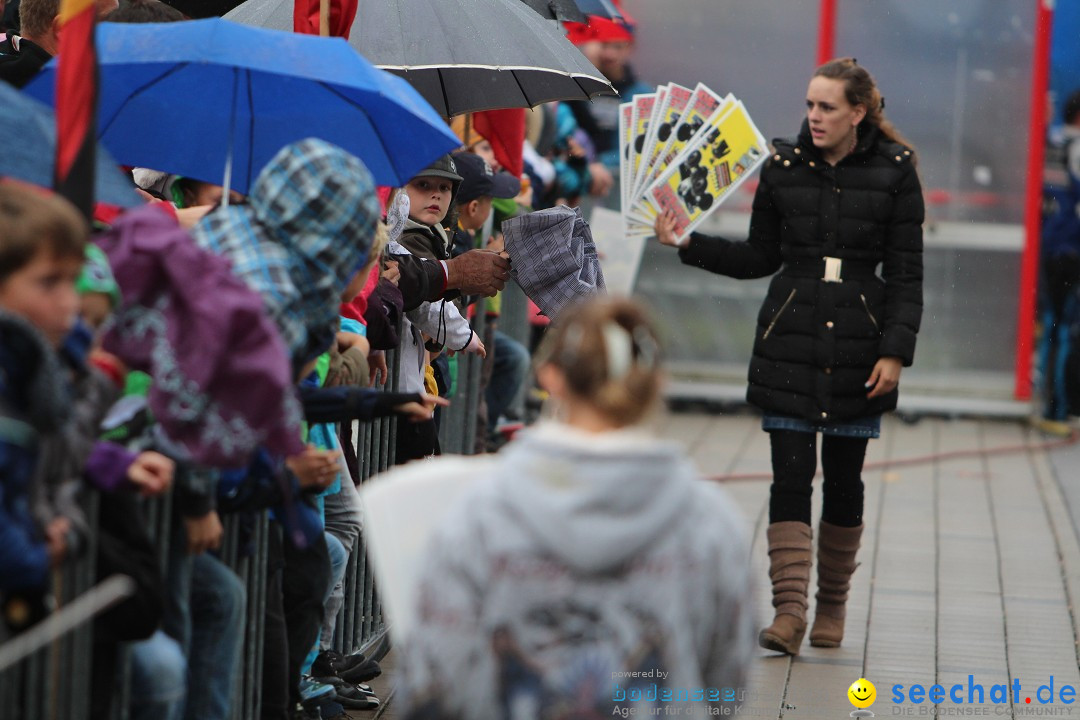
(836, 563)
(790, 550)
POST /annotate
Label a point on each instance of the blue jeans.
(339, 563)
(343, 521)
(512, 362)
(158, 678)
(205, 612)
(868, 427)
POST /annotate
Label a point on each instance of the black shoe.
(330, 663)
(367, 670)
(355, 699)
(338, 683)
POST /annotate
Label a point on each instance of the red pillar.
(1029, 264)
(826, 39)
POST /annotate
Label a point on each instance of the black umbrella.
(561, 10)
(600, 8)
(462, 56)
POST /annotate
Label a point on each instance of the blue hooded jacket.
(32, 402)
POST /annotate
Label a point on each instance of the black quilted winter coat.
(816, 341)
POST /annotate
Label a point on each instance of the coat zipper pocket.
(866, 306)
(778, 314)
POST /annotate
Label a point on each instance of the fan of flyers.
(683, 150)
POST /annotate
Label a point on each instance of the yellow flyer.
(643, 108)
(723, 154)
(645, 210)
(626, 116)
(665, 117)
(701, 106)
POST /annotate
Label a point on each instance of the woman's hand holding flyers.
(664, 227)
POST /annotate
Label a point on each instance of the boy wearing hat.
(430, 326)
(480, 186)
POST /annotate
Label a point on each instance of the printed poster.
(666, 117)
(643, 107)
(723, 155)
(703, 104)
(626, 116)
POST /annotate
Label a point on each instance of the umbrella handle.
(227, 182)
(228, 177)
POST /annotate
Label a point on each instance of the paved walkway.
(970, 569)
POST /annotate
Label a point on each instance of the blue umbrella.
(28, 136)
(211, 99)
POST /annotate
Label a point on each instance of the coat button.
(824, 416)
(898, 158)
(776, 157)
(798, 151)
(828, 371)
(787, 163)
(907, 152)
(811, 163)
(829, 324)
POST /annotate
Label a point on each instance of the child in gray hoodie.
(588, 570)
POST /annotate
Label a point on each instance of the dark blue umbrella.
(185, 97)
(28, 136)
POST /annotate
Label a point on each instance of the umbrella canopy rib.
(525, 94)
(227, 182)
(251, 126)
(104, 127)
(363, 111)
(577, 79)
(497, 68)
(445, 98)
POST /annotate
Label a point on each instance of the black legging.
(794, 461)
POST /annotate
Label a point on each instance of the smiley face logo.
(862, 693)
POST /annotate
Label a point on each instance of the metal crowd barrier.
(54, 682)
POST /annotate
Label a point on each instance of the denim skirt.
(864, 427)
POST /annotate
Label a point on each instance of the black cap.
(478, 179)
(444, 167)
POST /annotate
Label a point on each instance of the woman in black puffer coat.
(833, 205)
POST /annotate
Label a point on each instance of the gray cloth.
(343, 521)
(576, 558)
(553, 258)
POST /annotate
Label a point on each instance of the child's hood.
(301, 238)
(594, 501)
(319, 202)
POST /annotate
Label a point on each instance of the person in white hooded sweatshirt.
(589, 569)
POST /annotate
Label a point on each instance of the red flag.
(306, 17)
(505, 130)
(76, 105)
